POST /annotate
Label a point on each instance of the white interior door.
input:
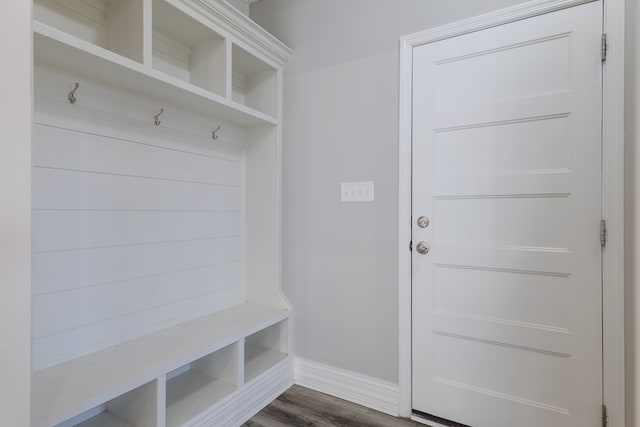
(507, 305)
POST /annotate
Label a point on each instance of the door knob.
(423, 222)
(422, 248)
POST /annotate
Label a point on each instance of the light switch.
(357, 191)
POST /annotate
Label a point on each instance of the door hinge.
(605, 417)
(603, 47)
(411, 246)
(603, 232)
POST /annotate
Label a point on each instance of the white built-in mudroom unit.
(156, 223)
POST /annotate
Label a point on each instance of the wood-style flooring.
(301, 407)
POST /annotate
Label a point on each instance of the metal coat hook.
(214, 133)
(156, 118)
(72, 95)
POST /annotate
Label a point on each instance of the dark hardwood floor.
(301, 407)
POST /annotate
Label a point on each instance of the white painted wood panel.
(83, 151)
(532, 222)
(65, 270)
(508, 148)
(63, 230)
(129, 236)
(65, 189)
(66, 310)
(452, 368)
(58, 348)
(507, 296)
(466, 79)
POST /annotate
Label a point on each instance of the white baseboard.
(251, 398)
(357, 388)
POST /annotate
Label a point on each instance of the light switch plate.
(357, 192)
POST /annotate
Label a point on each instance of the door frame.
(612, 187)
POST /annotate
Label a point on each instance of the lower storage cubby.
(192, 373)
(136, 408)
(194, 388)
(265, 349)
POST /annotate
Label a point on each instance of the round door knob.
(422, 248)
(423, 222)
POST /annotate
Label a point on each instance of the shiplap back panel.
(129, 236)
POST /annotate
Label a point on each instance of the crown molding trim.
(240, 26)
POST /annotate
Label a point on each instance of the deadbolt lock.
(423, 222)
(422, 248)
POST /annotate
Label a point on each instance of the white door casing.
(507, 165)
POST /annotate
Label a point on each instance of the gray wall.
(340, 267)
(241, 5)
(341, 124)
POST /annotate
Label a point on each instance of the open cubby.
(254, 82)
(137, 408)
(198, 385)
(265, 349)
(115, 25)
(187, 49)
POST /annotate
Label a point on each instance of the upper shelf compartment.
(115, 25)
(181, 51)
(254, 82)
(188, 50)
(81, 59)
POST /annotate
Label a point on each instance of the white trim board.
(357, 388)
(613, 188)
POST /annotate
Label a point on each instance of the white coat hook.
(72, 95)
(156, 118)
(214, 134)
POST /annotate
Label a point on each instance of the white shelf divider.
(71, 388)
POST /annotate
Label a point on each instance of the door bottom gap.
(438, 422)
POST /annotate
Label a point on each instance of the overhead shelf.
(65, 52)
